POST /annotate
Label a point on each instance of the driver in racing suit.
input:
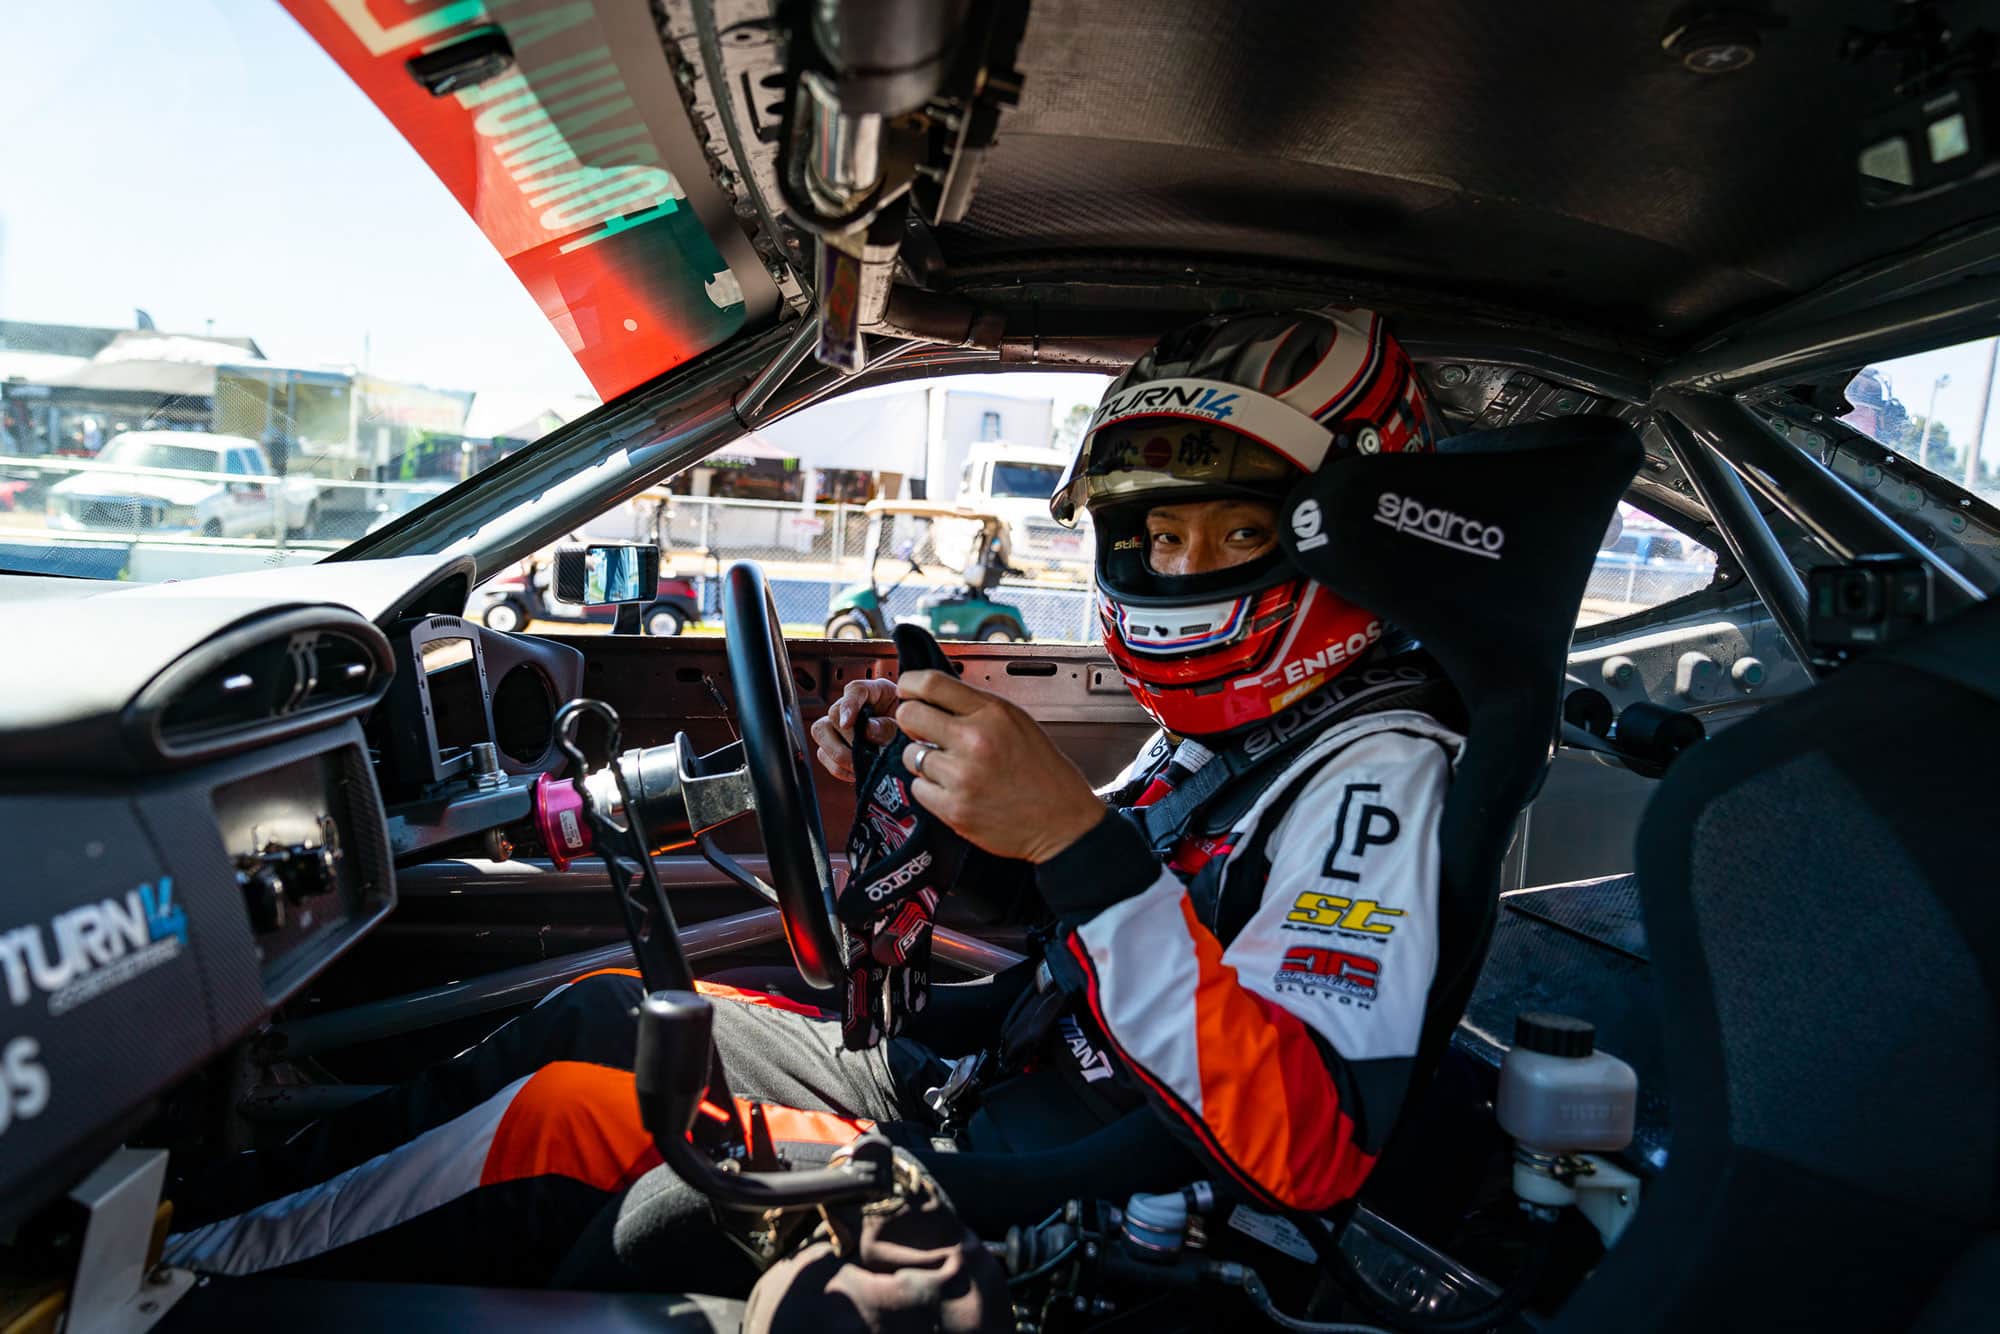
(1242, 929)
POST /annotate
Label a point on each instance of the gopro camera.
(1863, 603)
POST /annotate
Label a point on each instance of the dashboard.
(206, 789)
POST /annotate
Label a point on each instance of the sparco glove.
(901, 859)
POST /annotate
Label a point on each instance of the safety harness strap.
(902, 860)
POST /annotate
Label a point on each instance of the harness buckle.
(944, 1099)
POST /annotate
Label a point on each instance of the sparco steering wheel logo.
(1408, 515)
(899, 877)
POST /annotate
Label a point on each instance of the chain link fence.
(815, 553)
(103, 519)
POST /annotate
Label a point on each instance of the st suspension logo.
(88, 950)
(1408, 515)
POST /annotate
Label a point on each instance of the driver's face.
(1200, 536)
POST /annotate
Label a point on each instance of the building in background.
(912, 441)
(138, 379)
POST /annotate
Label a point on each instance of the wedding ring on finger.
(919, 752)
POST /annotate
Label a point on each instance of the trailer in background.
(366, 439)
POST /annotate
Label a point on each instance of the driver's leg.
(587, 1019)
(775, 1050)
(498, 1195)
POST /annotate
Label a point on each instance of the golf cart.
(905, 530)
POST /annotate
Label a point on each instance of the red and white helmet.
(1238, 406)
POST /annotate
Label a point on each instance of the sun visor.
(1481, 550)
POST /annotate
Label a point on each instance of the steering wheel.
(775, 749)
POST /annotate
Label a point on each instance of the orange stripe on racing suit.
(1284, 1052)
(581, 1121)
(572, 1119)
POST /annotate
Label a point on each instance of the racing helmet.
(1238, 406)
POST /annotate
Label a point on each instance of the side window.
(238, 462)
(1934, 409)
(1643, 564)
(989, 426)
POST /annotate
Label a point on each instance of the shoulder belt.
(1261, 751)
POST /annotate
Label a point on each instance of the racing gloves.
(901, 860)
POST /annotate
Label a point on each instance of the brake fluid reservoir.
(1559, 1094)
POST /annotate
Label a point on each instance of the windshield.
(1025, 481)
(289, 275)
(145, 454)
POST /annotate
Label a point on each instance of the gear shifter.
(670, 1068)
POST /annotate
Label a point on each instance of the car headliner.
(1548, 157)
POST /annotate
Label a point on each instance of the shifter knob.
(670, 1068)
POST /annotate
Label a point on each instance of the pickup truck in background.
(166, 482)
(1014, 482)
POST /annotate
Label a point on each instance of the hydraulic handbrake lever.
(649, 921)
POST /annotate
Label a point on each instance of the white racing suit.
(1268, 986)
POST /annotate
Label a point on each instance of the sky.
(204, 160)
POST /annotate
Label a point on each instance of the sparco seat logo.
(1442, 526)
(1307, 522)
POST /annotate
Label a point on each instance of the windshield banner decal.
(554, 161)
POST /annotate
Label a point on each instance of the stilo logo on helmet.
(1238, 409)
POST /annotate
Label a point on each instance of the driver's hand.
(989, 770)
(834, 734)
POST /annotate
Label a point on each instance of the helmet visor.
(1159, 455)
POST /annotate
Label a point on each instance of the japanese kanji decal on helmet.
(1236, 407)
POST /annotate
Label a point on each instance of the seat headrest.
(1481, 550)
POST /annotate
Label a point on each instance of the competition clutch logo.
(88, 950)
(1313, 968)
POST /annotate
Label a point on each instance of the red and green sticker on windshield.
(556, 162)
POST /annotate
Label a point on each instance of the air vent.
(297, 677)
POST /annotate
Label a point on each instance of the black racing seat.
(1481, 551)
(1820, 902)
